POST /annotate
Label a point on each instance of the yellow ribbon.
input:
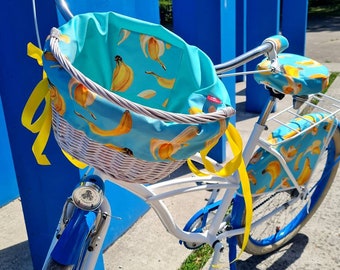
(235, 164)
(42, 125)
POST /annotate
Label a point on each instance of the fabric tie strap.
(235, 164)
(42, 125)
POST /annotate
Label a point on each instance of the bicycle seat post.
(260, 125)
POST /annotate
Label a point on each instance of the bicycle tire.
(271, 235)
(199, 223)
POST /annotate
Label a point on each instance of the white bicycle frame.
(153, 195)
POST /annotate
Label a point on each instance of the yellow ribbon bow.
(42, 125)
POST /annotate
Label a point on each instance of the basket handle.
(127, 104)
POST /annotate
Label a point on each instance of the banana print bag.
(143, 63)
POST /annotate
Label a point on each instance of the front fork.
(82, 226)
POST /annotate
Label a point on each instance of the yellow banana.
(194, 110)
(315, 148)
(291, 71)
(62, 37)
(166, 151)
(153, 47)
(147, 94)
(122, 76)
(329, 125)
(123, 127)
(274, 170)
(271, 140)
(155, 50)
(323, 77)
(261, 190)
(256, 157)
(264, 66)
(288, 154)
(164, 82)
(120, 149)
(305, 174)
(309, 62)
(251, 177)
(291, 134)
(165, 102)
(125, 34)
(292, 87)
(285, 183)
(168, 148)
(82, 95)
(297, 161)
(58, 100)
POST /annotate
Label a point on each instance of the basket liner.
(167, 73)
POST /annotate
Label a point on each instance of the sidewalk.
(148, 246)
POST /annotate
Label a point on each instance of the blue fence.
(223, 29)
(8, 182)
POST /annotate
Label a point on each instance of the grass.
(323, 8)
(198, 258)
(332, 77)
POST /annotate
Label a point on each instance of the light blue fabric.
(300, 75)
(301, 153)
(142, 62)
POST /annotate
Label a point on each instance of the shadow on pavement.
(322, 23)
(16, 257)
(286, 256)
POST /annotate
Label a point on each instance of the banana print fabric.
(300, 152)
(300, 75)
(144, 63)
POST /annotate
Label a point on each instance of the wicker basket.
(119, 166)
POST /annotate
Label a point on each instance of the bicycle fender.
(70, 244)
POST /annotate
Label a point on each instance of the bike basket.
(130, 97)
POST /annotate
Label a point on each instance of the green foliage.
(332, 77)
(165, 9)
(324, 8)
(198, 258)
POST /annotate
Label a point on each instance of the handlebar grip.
(279, 42)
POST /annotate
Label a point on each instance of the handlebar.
(270, 46)
(63, 8)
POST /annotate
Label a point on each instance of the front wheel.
(284, 225)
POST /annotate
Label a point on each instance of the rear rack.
(316, 103)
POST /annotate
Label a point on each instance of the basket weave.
(119, 166)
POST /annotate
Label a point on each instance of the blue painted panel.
(140, 9)
(240, 33)
(294, 27)
(209, 25)
(8, 182)
(262, 20)
(43, 189)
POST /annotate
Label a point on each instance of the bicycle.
(285, 185)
